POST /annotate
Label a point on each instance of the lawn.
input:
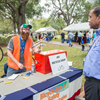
(58, 38)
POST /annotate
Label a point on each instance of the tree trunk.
(21, 15)
(14, 27)
(14, 22)
(18, 27)
(19, 12)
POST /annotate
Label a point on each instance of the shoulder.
(30, 38)
(14, 37)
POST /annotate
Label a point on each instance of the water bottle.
(33, 68)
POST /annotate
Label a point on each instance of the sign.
(57, 92)
(58, 63)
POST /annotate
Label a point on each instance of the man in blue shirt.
(91, 66)
(62, 36)
(80, 37)
(70, 37)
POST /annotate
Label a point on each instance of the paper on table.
(13, 76)
(70, 63)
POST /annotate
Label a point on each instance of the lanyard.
(22, 44)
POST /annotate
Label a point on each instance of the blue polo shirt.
(91, 66)
(70, 35)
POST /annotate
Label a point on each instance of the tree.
(71, 11)
(58, 24)
(8, 13)
(17, 10)
(5, 26)
(96, 3)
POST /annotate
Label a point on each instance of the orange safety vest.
(16, 53)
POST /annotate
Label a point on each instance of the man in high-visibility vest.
(19, 51)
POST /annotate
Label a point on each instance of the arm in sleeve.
(35, 48)
(10, 45)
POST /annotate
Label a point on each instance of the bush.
(34, 39)
(4, 41)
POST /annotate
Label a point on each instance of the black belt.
(91, 79)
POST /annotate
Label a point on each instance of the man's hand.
(37, 50)
(21, 66)
(10, 55)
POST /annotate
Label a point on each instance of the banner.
(57, 92)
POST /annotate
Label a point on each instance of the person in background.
(91, 67)
(48, 36)
(62, 36)
(35, 34)
(70, 37)
(31, 35)
(84, 37)
(39, 36)
(76, 35)
(89, 37)
(94, 35)
(80, 37)
(19, 51)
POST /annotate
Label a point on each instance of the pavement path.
(66, 44)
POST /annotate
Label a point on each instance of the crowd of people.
(48, 36)
(83, 36)
(80, 37)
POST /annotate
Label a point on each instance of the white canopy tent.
(78, 27)
(46, 29)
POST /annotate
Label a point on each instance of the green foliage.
(58, 23)
(4, 41)
(33, 8)
(6, 26)
(44, 22)
(96, 3)
(14, 10)
(71, 11)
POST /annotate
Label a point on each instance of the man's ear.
(21, 30)
(98, 18)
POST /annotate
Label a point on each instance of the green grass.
(59, 38)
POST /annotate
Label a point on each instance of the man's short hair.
(97, 10)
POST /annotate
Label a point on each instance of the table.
(28, 89)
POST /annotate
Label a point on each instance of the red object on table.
(42, 60)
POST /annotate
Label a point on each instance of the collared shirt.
(22, 44)
(94, 35)
(79, 34)
(70, 35)
(91, 67)
(63, 35)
